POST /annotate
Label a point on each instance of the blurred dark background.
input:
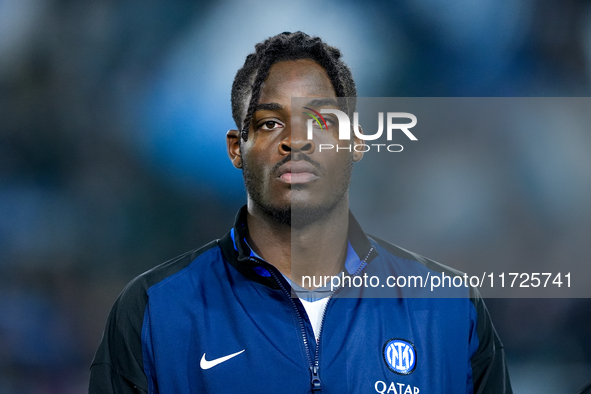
(112, 157)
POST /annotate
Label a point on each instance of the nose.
(296, 142)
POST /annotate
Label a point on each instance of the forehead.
(296, 78)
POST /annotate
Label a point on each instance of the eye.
(329, 122)
(269, 125)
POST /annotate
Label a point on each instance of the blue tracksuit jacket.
(219, 320)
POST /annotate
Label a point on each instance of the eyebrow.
(268, 107)
(324, 102)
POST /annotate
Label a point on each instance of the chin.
(304, 215)
(300, 209)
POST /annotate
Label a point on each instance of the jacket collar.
(238, 253)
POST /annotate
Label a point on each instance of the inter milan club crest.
(400, 356)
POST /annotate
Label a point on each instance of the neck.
(318, 248)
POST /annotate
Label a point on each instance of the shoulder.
(118, 363)
(413, 262)
(136, 291)
(403, 254)
(127, 315)
(120, 348)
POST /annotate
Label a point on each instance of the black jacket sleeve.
(117, 367)
(489, 370)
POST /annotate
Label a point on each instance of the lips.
(299, 171)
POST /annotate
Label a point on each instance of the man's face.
(284, 173)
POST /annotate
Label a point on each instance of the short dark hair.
(246, 89)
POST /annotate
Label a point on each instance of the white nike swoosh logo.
(210, 364)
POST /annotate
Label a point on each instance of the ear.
(357, 141)
(233, 145)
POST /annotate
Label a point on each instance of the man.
(221, 319)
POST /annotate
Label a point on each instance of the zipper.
(313, 370)
(314, 365)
